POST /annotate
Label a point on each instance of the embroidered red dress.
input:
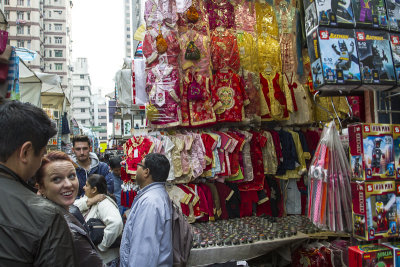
(224, 51)
(136, 149)
(220, 14)
(229, 88)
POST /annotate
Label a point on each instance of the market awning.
(52, 95)
(29, 84)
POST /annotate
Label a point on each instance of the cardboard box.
(395, 246)
(375, 56)
(371, 151)
(334, 59)
(396, 148)
(374, 209)
(336, 13)
(395, 46)
(370, 255)
(370, 14)
(393, 11)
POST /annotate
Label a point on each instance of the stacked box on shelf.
(393, 14)
(395, 45)
(370, 255)
(395, 246)
(374, 209)
(396, 148)
(335, 13)
(375, 56)
(370, 14)
(334, 60)
(371, 151)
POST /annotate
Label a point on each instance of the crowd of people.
(53, 204)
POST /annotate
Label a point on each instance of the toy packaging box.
(370, 14)
(395, 45)
(370, 255)
(375, 56)
(395, 246)
(335, 13)
(334, 59)
(371, 151)
(396, 150)
(374, 209)
(393, 14)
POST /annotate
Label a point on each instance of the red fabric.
(257, 142)
(280, 96)
(185, 208)
(210, 201)
(277, 144)
(124, 176)
(224, 51)
(265, 208)
(223, 192)
(232, 95)
(209, 144)
(246, 205)
(234, 157)
(143, 146)
(3, 72)
(203, 203)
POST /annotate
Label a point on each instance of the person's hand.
(95, 199)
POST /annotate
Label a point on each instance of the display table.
(221, 254)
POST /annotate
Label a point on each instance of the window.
(28, 2)
(20, 15)
(82, 88)
(82, 110)
(58, 11)
(82, 99)
(20, 29)
(58, 53)
(58, 27)
(49, 14)
(20, 2)
(58, 40)
(28, 15)
(49, 27)
(20, 43)
(82, 76)
(50, 65)
(28, 28)
(49, 40)
(58, 66)
(83, 121)
(6, 2)
(50, 53)
(7, 13)
(28, 45)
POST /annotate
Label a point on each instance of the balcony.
(81, 93)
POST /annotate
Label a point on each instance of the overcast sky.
(98, 35)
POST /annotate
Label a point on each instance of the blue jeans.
(117, 193)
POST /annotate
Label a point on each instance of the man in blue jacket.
(88, 163)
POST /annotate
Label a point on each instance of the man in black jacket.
(33, 231)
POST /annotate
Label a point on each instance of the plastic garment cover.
(158, 12)
(123, 80)
(224, 50)
(330, 202)
(140, 81)
(163, 89)
(171, 55)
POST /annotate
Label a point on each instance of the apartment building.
(82, 98)
(25, 28)
(127, 28)
(57, 40)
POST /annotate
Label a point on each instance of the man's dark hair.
(80, 138)
(115, 162)
(20, 123)
(158, 165)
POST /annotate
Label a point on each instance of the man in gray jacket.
(33, 231)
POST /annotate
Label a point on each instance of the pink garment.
(202, 42)
(164, 93)
(158, 12)
(150, 48)
(245, 15)
(220, 14)
(201, 25)
(197, 155)
(185, 158)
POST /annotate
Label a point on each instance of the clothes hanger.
(337, 116)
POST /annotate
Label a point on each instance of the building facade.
(43, 26)
(127, 28)
(82, 99)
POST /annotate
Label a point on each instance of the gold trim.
(262, 201)
(230, 195)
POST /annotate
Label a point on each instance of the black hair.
(80, 138)
(158, 165)
(115, 162)
(20, 123)
(100, 182)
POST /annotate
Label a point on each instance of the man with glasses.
(147, 237)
